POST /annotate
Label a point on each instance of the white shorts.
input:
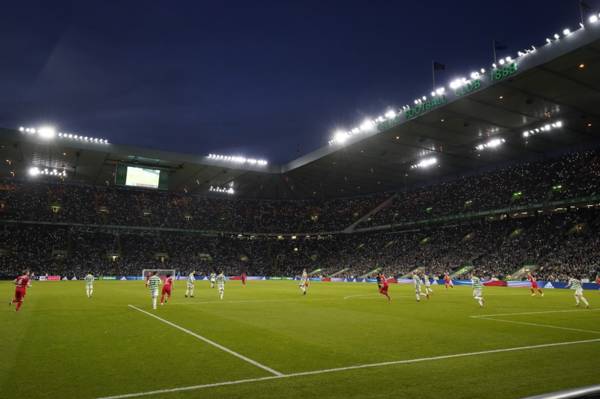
(190, 285)
(579, 292)
(154, 292)
(221, 287)
(89, 285)
(477, 292)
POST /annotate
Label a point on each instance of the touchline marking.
(529, 313)
(525, 323)
(361, 366)
(208, 341)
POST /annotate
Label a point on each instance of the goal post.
(162, 273)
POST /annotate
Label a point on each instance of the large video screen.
(142, 177)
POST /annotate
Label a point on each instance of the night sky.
(263, 79)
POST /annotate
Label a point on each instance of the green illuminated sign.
(425, 106)
(390, 123)
(468, 88)
(503, 72)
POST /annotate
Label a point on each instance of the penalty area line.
(525, 323)
(361, 366)
(210, 342)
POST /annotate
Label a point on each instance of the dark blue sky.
(258, 78)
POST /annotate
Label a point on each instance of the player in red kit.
(166, 289)
(383, 285)
(243, 278)
(21, 283)
(534, 285)
(448, 281)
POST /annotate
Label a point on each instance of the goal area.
(162, 273)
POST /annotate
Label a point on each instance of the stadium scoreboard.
(141, 177)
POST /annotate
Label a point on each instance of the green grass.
(65, 345)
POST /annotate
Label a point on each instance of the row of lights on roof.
(222, 190)
(425, 163)
(238, 159)
(341, 136)
(49, 133)
(35, 171)
(492, 143)
(546, 128)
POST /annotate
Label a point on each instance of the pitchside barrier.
(489, 283)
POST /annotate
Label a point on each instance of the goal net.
(162, 273)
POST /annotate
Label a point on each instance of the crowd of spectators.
(556, 245)
(574, 175)
(114, 205)
(70, 229)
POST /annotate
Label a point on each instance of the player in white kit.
(428, 289)
(417, 283)
(304, 282)
(190, 285)
(89, 284)
(220, 279)
(213, 279)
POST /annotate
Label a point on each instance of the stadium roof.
(546, 100)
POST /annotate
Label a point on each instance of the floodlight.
(47, 132)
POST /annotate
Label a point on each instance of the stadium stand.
(69, 229)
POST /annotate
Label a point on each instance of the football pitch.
(265, 340)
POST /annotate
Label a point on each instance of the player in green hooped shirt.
(477, 289)
(153, 283)
(575, 284)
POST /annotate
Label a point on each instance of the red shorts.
(534, 286)
(20, 294)
(384, 289)
(166, 290)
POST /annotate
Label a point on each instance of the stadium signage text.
(390, 123)
(468, 88)
(495, 75)
(504, 72)
(425, 106)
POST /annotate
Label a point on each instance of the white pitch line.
(525, 323)
(361, 366)
(530, 313)
(208, 341)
